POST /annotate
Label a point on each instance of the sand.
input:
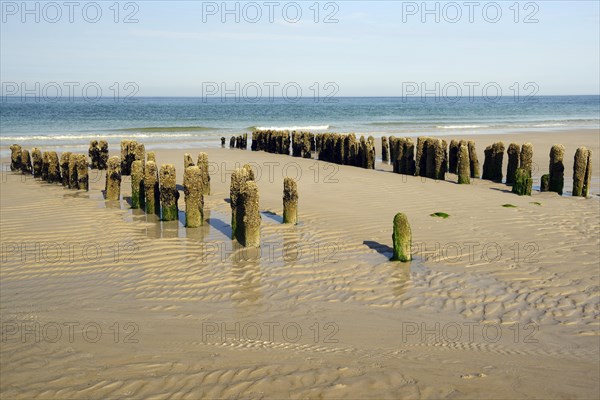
(148, 309)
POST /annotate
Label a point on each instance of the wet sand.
(100, 301)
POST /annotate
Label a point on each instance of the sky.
(341, 48)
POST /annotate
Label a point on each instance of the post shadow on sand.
(220, 225)
(273, 216)
(380, 248)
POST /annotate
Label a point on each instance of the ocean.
(171, 122)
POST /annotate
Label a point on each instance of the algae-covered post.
(168, 193)
(421, 156)
(497, 158)
(64, 167)
(232, 142)
(580, 164)
(523, 182)
(113, 178)
(128, 156)
(526, 158)
(36, 158)
(194, 199)
(402, 238)
(203, 165)
(54, 167)
(81, 165)
(151, 156)
(103, 157)
(513, 162)
(72, 170)
(45, 164)
(94, 154)
(409, 156)
(463, 164)
(474, 161)
(137, 184)
(248, 224)
(151, 188)
(223, 141)
(557, 169)
(290, 201)
(15, 157)
(487, 163)
(453, 156)
(25, 162)
(238, 178)
(187, 161)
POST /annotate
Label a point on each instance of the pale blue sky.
(370, 51)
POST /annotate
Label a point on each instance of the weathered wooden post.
(513, 162)
(557, 169)
(402, 239)
(113, 179)
(290, 201)
(463, 165)
(194, 199)
(151, 188)
(168, 193)
(137, 185)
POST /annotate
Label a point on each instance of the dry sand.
(498, 302)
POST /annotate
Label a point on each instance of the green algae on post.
(64, 166)
(151, 188)
(26, 167)
(54, 167)
(113, 178)
(557, 169)
(82, 171)
(16, 153)
(248, 224)
(168, 193)
(523, 182)
(203, 165)
(238, 178)
(537, 203)
(580, 164)
(401, 238)
(463, 164)
(509, 205)
(137, 184)
(194, 199)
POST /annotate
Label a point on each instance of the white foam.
(293, 128)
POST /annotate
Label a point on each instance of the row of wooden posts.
(155, 190)
(433, 158)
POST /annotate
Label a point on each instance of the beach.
(101, 301)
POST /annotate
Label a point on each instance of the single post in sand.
(25, 162)
(474, 161)
(36, 161)
(223, 141)
(526, 158)
(81, 165)
(453, 156)
(435, 159)
(72, 170)
(137, 184)
(487, 163)
(168, 193)
(238, 178)
(194, 199)
(248, 224)
(64, 167)
(545, 183)
(94, 154)
(151, 188)
(290, 201)
(463, 164)
(523, 182)
(16, 153)
(557, 169)
(45, 162)
(187, 161)
(203, 165)
(371, 153)
(402, 238)
(232, 142)
(580, 164)
(113, 179)
(513, 162)
(103, 157)
(54, 167)
(151, 156)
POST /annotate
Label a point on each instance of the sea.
(181, 122)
